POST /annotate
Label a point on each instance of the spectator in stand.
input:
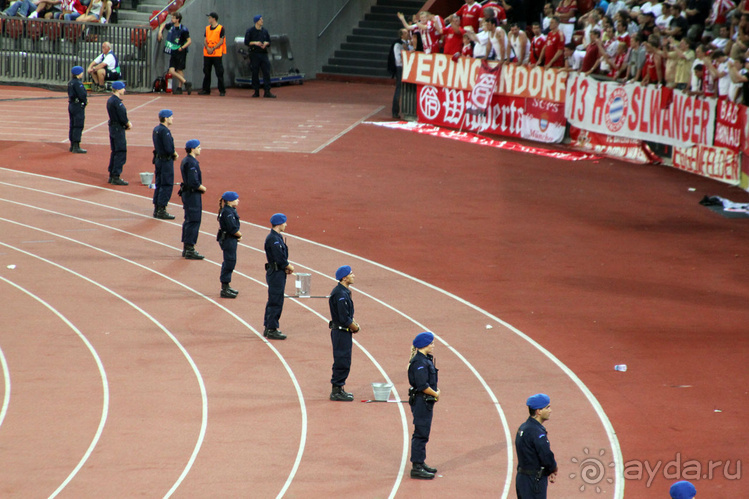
(553, 54)
(669, 64)
(490, 43)
(520, 46)
(537, 44)
(592, 57)
(592, 21)
(546, 20)
(453, 36)
(93, 12)
(631, 19)
(700, 56)
(696, 12)
(46, 9)
(647, 23)
(739, 72)
(495, 10)
(403, 44)
(719, 13)
(467, 50)
(683, 54)
(22, 8)
(571, 63)
(722, 42)
(614, 7)
(651, 6)
(609, 43)
(73, 10)
(618, 63)
(742, 36)
(622, 35)
(566, 12)
(696, 88)
(469, 15)
(678, 26)
(719, 71)
(664, 20)
(105, 67)
(652, 70)
(429, 32)
(635, 58)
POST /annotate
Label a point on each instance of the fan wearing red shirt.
(469, 15)
(496, 12)
(453, 36)
(553, 54)
(592, 52)
(537, 44)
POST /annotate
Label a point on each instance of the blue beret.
(278, 219)
(423, 339)
(230, 196)
(192, 144)
(165, 113)
(118, 85)
(683, 490)
(76, 70)
(342, 272)
(538, 401)
(258, 17)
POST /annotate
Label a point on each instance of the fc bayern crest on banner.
(483, 89)
(616, 109)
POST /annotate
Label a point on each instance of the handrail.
(334, 18)
(156, 16)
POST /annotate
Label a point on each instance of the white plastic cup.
(620, 367)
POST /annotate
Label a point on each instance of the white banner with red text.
(443, 71)
(633, 150)
(717, 163)
(517, 117)
(639, 112)
(729, 125)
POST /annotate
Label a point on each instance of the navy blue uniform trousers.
(276, 280)
(118, 146)
(230, 258)
(342, 343)
(164, 179)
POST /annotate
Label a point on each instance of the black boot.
(226, 291)
(188, 87)
(162, 214)
(428, 468)
(339, 395)
(76, 148)
(274, 334)
(418, 471)
(191, 253)
(117, 181)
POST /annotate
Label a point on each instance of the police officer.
(683, 490)
(118, 124)
(423, 394)
(163, 157)
(77, 101)
(536, 464)
(228, 237)
(258, 39)
(342, 326)
(191, 190)
(276, 270)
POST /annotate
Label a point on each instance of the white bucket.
(303, 284)
(146, 178)
(382, 391)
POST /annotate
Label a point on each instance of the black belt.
(334, 325)
(273, 266)
(164, 157)
(529, 472)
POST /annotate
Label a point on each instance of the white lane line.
(608, 427)
(347, 130)
(297, 387)
(99, 365)
(6, 380)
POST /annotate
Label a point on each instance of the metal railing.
(42, 51)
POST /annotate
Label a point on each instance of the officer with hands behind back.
(77, 101)
(423, 394)
(191, 190)
(536, 464)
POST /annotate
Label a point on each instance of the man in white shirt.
(105, 67)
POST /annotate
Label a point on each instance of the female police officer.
(422, 375)
(228, 237)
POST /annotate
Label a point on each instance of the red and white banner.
(508, 116)
(635, 111)
(484, 141)
(717, 163)
(728, 126)
(483, 90)
(613, 147)
(440, 70)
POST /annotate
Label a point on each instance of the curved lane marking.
(608, 427)
(6, 380)
(99, 366)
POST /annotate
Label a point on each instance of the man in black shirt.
(258, 40)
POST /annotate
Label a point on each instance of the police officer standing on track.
(258, 40)
(163, 158)
(276, 270)
(118, 124)
(228, 238)
(342, 326)
(191, 190)
(536, 464)
(423, 394)
(77, 101)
